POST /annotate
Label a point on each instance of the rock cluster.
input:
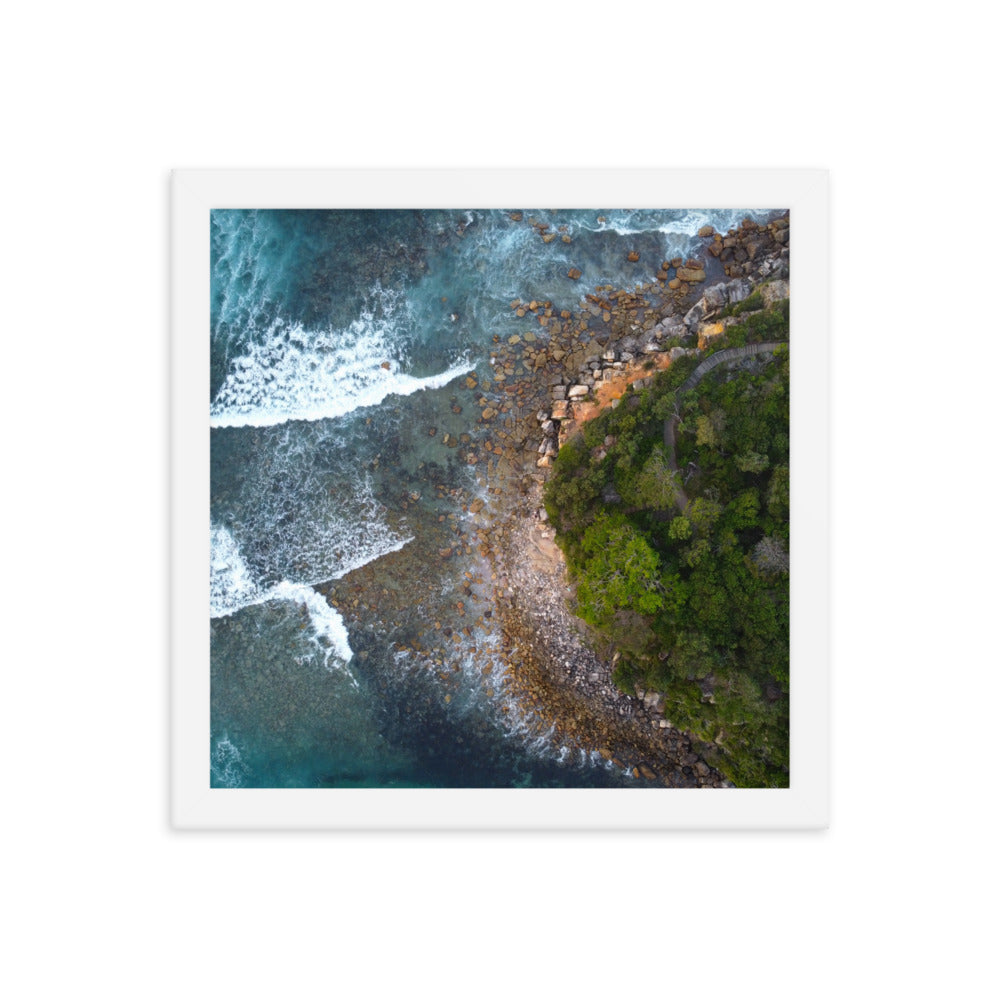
(753, 250)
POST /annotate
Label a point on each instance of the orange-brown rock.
(691, 274)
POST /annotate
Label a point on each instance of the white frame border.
(194, 805)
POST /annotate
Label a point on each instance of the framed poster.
(496, 505)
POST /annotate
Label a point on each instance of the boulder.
(714, 300)
(692, 274)
(694, 316)
(560, 409)
(576, 392)
(738, 290)
(574, 273)
(706, 231)
(708, 333)
(774, 291)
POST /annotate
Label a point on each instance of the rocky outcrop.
(753, 250)
(714, 300)
(774, 291)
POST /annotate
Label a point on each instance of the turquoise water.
(338, 340)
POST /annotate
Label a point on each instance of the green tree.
(655, 487)
(680, 528)
(621, 572)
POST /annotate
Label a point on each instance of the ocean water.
(345, 651)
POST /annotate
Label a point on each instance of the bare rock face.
(694, 316)
(737, 290)
(714, 300)
(708, 333)
(774, 291)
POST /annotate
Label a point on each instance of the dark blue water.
(339, 338)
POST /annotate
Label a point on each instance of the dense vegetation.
(686, 572)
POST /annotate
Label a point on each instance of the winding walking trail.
(670, 424)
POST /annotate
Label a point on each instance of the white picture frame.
(196, 805)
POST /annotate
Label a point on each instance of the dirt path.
(670, 424)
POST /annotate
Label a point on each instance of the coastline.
(558, 667)
(505, 621)
(565, 681)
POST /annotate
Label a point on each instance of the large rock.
(694, 316)
(576, 392)
(708, 333)
(714, 300)
(774, 291)
(691, 274)
(737, 290)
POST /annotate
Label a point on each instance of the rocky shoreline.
(513, 606)
(585, 363)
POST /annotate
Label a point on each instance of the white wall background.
(99, 897)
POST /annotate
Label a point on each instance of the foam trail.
(227, 765)
(294, 373)
(314, 395)
(231, 584)
(232, 588)
(329, 632)
(637, 223)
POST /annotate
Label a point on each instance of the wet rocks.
(574, 273)
(691, 274)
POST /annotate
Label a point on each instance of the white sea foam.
(688, 224)
(296, 373)
(227, 765)
(231, 584)
(233, 588)
(329, 632)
